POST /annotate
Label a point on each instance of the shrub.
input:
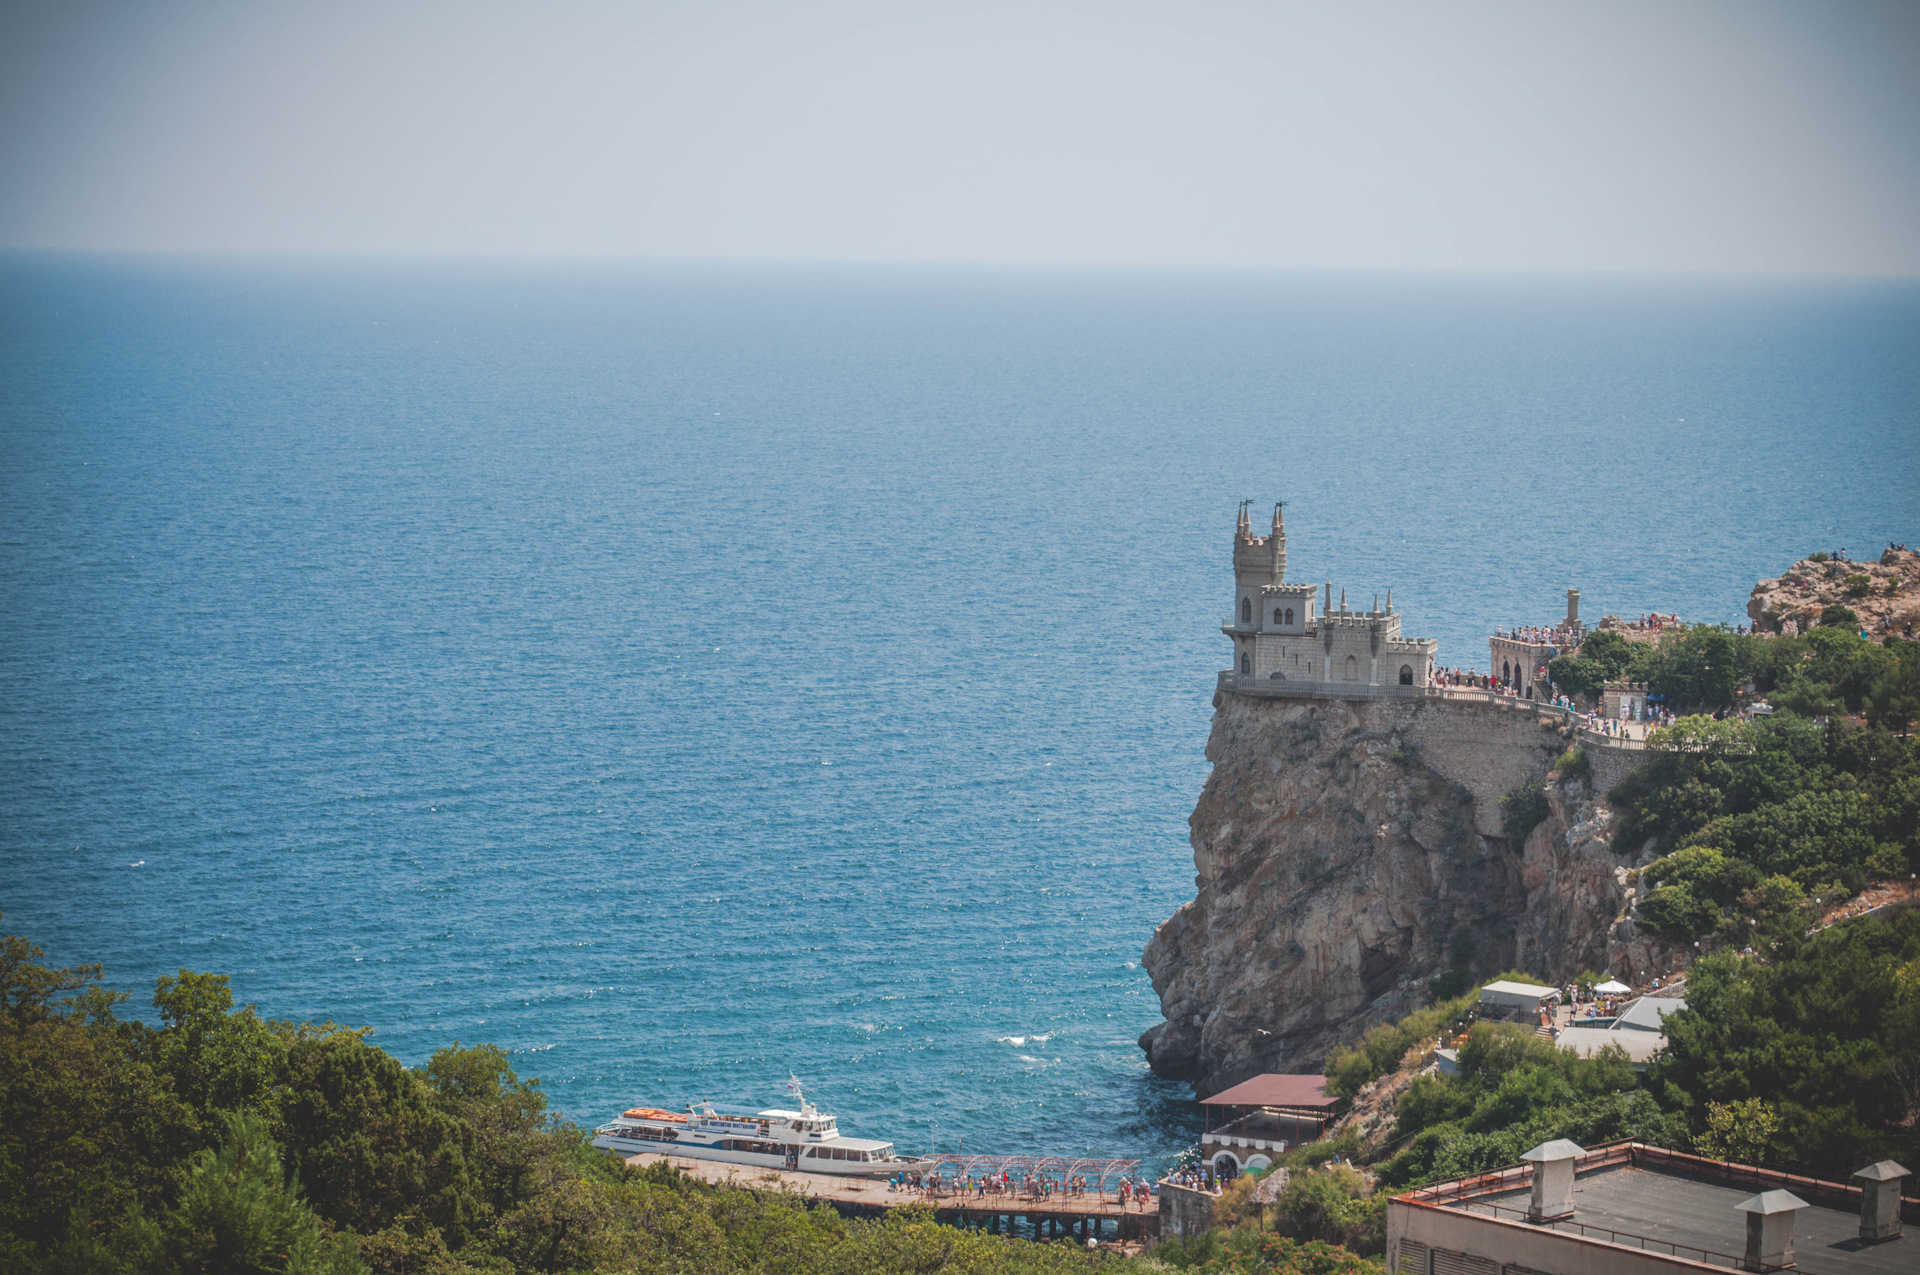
(1858, 586)
(1839, 617)
(1573, 764)
(1523, 810)
(1330, 1204)
(1816, 557)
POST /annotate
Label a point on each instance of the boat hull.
(755, 1160)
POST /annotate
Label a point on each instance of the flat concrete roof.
(1684, 1210)
(1588, 1041)
(1531, 991)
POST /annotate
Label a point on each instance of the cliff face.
(1340, 847)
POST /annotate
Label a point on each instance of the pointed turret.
(1277, 542)
(1343, 601)
(1244, 530)
(1389, 601)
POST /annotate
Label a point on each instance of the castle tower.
(1256, 564)
(1277, 544)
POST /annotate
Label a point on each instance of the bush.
(1839, 617)
(1523, 810)
(1331, 1204)
(1573, 764)
(1349, 1068)
(1816, 557)
(1858, 586)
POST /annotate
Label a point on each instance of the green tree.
(1576, 676)
(1741, 1131)
(240, 1213)
(1609, 653)
(87, 1129)
(372, 1144)
(1893, 703)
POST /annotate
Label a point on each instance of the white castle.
(1283, 645)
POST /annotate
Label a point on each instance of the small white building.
(1518, 998)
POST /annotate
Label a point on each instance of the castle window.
(1276, 616)
(1246, 664)
(1406, 675)
(1352, 673)
(1246, 610)
(1289, 615)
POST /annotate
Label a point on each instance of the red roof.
(1274, 1090)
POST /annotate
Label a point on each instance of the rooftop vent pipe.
(1552, 1180)
(1880, 1201)
(1769, 1229)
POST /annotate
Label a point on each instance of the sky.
(1647, 137)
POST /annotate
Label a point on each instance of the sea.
(691, 677)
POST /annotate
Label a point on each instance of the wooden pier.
(1092, 1216)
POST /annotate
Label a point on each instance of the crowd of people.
(1195, 1177)
(1031, 1186)
(1559, 637)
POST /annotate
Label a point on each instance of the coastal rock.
(1340, 847)
(1890, 603)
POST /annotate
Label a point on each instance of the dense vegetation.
(1829, 670)
(225, 1142)
(1807, 1057)
(1753, 820)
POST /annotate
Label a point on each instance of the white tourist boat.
(807, 1140)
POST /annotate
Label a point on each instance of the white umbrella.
(1612, 988)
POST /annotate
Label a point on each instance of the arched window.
(1352, 673)
(1406, 675)
(1289, 615)
(1246, 664)
(1506, 671)
(1276, 615)
(1246, 610)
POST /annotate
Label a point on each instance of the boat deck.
(1100, 1216)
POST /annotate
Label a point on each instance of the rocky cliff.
(1884, 595)
(1341, 846)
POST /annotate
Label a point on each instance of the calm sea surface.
(686, 676)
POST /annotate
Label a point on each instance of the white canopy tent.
(1612, 987)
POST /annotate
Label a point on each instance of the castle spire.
(1277, 542)
(1245, 527)
(1376, 604)
(1389, 601)
(1343, 600)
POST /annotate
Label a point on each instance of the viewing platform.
(1631, 739)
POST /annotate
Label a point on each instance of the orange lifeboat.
(653, 1113)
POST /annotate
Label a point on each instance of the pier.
(1095, 1214)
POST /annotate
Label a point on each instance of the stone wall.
(1184, 1212)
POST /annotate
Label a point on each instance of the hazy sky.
(1659, 136)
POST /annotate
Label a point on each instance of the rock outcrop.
(1340, 847)
(1885, 595)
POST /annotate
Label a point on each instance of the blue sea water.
(682, 676)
